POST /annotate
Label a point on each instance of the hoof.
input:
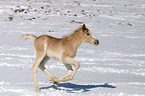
(55, 84)
(37, 90)
(50, 79)
(63, 80)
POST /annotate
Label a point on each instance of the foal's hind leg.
(34, 70)
(42, 67)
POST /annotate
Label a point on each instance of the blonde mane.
(72, 35)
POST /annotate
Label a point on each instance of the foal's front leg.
(71, 73)
(69, 68)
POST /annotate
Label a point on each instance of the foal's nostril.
(97, 41)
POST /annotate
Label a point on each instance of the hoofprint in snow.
(115, 68)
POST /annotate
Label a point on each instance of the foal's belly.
(54, 55)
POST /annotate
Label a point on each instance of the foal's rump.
(45, 44)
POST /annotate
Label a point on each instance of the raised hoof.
(50, 79)
(55, 84)
(63, 80)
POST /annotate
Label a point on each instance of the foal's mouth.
(96, 42)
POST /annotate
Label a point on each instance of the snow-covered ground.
(114, 68)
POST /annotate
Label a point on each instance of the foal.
(62, 49)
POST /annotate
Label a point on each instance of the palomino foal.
(62, 49)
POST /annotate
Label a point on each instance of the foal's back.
(48, 45)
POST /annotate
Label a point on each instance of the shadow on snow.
(72, 88)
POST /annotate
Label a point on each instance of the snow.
(114, 68)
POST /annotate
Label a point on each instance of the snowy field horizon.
(116, 67)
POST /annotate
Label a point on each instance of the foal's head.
(87, 36)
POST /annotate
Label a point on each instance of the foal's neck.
(75, 39)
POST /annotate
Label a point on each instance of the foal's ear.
(84, 27)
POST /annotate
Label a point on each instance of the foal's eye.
(88, 34)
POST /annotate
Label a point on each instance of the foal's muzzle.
(96, 42)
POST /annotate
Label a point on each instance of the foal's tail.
(28, 36)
